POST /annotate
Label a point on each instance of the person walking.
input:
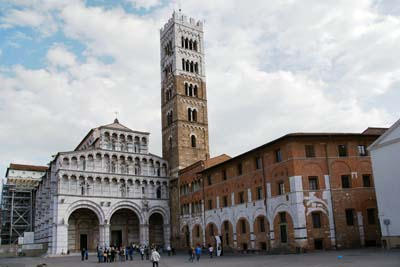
(155, 257)
(210, 250)
(191, 254)
(86, 254)
(147, 252)
(131, 252)
(198, 252)
(83, 254)
(105, 255)
(141, 252)
(99, 254)
(169, 250)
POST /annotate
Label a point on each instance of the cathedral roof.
(117, 126)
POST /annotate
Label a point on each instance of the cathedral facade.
(109, 191)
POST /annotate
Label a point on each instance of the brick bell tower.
(183, 93)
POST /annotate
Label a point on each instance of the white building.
(108, 191)
(385, 154)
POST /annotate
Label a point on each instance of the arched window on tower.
(195, 90)
(191, 66)
(195, 45)
(186, 43)
(183, 64)
(190, 90)
(186, 89)
(182, 41)
(194, 115)
(191, 44)
(193, 140)
(187, 65)
(189, 114)
(196, 67)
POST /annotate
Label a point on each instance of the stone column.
(167, 235)
(61, 244)
(252, 235)
(299, 216)
(144, 234)
(101, 235)
(106, 235)
(361, 228)
(330, 210)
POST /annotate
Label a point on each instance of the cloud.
(38, 20)
(282, 67)
(60, 56)
(146, 4)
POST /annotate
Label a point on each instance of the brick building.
(303, 190)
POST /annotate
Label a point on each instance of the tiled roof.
(22, 167)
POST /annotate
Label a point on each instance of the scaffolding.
(17, 212)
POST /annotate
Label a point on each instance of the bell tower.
(183, 93)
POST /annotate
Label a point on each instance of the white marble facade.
(111, 170)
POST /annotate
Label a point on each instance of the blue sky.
(284, 66)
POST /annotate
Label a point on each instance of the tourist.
(198, 252)
(146, 251)
(131, 252)
(169, 250)
(83, 254)
(210, 250)
(155, 257)
(191, 254)
(86, 254)
(105, 255)
(99, 254)
(141, 251)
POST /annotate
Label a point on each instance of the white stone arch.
(215, 220)
(85, 204)
(124, 204)
(259, 212)
(159, 209)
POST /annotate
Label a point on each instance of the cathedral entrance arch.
(83, 230)
(156, 231)
(124, 228)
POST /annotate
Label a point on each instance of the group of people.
(114, 253)
(196, 252)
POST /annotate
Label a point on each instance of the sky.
(272, 67)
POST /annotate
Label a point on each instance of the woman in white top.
(155, 257)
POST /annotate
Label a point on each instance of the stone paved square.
(350, 258)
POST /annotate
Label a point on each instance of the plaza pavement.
(350, 258)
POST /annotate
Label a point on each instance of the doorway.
(83, 241)
(116, 238)
(318, 244)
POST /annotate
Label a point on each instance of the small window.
(278, 155)
(209, 179)
(350, 217)
(346, 183)
(158, 193)
(281, 188)
(371, 216)
(193, 141)
(225, 201)
(243, 226)
(241, 197)
(261, 225)
(342, 149)
(259, 193)
(282, 217)
(313, 182)
(224, 177)
(366, 180)
(240, 169)
(310, 153)
(316, 218)
(210, 204)
(362, 151)
(258, 163)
